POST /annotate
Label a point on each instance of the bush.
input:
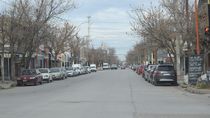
(203, 85)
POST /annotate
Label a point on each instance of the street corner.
(7, 84)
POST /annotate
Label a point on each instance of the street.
(104, 94)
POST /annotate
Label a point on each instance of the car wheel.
(36, 82)
(20, 84)
(174, 84)
(48, 81)
(156, 83)
(40, 82)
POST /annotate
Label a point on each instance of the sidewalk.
(183, 83)
(194, 90)
(7, 84)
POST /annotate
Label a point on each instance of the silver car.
(70, 72)
(57, 73)
(46, 75)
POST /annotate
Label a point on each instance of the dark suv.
(164, 73)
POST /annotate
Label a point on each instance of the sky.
(109, 22)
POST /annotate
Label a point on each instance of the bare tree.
(162, 25)
(27, 20)
(3, 42)
(62, 38)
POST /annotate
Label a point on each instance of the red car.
(30, 77)
(140, 69)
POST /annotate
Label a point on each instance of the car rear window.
(165, 68)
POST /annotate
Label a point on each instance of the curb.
(194, 90)
(7, 85)
(197, 91)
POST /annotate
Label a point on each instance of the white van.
(93, 67)
(105, 66)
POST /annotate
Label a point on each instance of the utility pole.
(197, 30)
(89, 19)
(88, 36)
(178, 38)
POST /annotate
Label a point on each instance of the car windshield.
(43, 70)
(69, 68)
(52, 70)
(165, 68)
(28, 72)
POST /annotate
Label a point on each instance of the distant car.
(134, 67)
(88, 69)
(123, 67)
(46, 75)
(114, 67)
(77, 71)
(138, 70)
(70, 72)
(93, 67)
(106, 66)
(57, 73)
(64, 72)
(83, 70)
(164, 73)
(30, 77)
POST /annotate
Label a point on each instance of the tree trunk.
(13, 60)
(28, 60)
(2, 67)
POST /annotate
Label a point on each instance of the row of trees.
(99, 56)
(27, 24)
(163, 26)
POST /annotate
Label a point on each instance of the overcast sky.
(109, 21)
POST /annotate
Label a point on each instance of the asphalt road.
(105, 94)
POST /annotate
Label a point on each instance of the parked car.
(114, 67)
(64, 72)
(148, 72)
(134, 67)
(123, 67)
(106, 66)
(151, 72)
(46, 75)
(143, 71)
(138, 69)
(77, 71)
(70, 72)
(164, 73)
(83, 70)
(93, 67)
(57, 73)
(30, 77)
(88, 69)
